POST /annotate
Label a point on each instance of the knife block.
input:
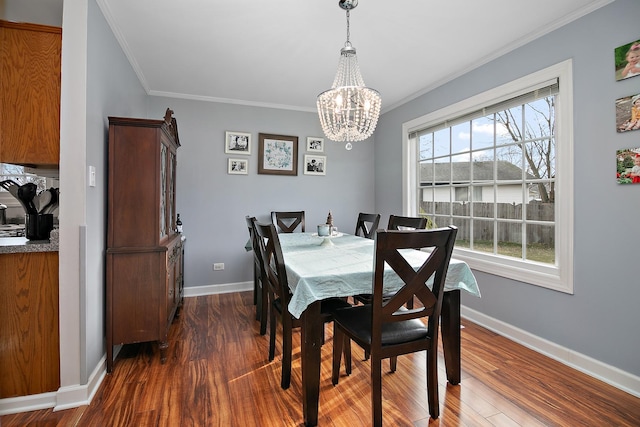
(38, 226)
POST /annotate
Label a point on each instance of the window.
(498, 166)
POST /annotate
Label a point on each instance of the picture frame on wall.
(627, 60)
(277, 154)
(628, 166)
(315, 144)
(315, 165)
(628, 113)
(237, 143)
(238, 166)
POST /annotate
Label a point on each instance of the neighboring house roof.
(460, 172)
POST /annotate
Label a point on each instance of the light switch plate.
(92, 176)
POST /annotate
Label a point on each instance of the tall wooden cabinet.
(144, 251)
(30, 58)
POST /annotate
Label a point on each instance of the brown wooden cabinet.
(144, 251)
(30, 94)
(30, 339)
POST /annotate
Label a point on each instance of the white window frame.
(558, 277)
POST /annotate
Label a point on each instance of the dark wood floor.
(217, 374)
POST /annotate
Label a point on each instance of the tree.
(531, 127)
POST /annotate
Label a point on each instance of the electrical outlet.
(218, 266)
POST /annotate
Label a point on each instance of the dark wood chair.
(385, 328)
(275, 276)
(367, 225)
(260, 296)
(406, 223)
(287, 222)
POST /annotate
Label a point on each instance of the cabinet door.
(30, 93)
(164, 169)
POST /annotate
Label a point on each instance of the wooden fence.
(484, 230)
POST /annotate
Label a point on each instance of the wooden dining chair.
(406, 223)
(275, 276)
(287, 222)
(396, 223)
(367, 225)
(386, 328)
(260, 295)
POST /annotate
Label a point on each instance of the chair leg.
(338, 342)
(376, 390)
(432, 384)
(286, 351)
(393, 363)
(366, 355)
(272, 331)
(263, 298)
(347, 354)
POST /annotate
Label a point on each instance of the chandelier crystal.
(348, 111)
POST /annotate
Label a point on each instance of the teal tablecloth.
(345, 268)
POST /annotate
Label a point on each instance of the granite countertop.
(12, 245)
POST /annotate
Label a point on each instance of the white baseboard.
(196, 291)
(609, 374)
(65, 398)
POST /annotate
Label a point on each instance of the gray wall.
(213, 204)
(601, 319)
(113, 89)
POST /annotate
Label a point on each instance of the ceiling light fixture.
(348, 111)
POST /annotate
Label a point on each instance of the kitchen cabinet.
(30, 58)
(144, 280)
(29, 324)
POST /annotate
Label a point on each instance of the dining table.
(342, 266)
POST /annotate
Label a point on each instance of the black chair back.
(367, 225)
(287, 222)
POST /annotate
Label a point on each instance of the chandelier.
(348, 111)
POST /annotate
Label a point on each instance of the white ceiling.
(283, 53)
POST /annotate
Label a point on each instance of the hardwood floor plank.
(217, 374)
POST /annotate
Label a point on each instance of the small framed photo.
(315, 144)
(628, 166)
(237, 143)
(237, 166)
(628, 113)
(627, 60)
(315, 165)
(277, 154)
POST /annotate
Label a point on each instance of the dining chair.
(386, 328)
(367, 225)
(274, 275)
(406, 223)
(287, 222)
(260, 296)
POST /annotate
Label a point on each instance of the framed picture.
(237, 143)
(315, 144)
(627, 60)
(237, 166)
(315, 165)
(628, 166)
(277, 154)
(628, 113)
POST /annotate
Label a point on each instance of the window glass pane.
(541, 243)
(510, 128)
(461, 194)
(462, 238)
(539, 117)
(441, 143)
(461, 138)
(482, 130)
(483, 236)
(509, 201)
(539, 211)
(509, 165)
(483, 166)
(425, 201)
(483, 210)
(442, 172)
(425, 146)
(425, 169)
(540, 157)
(442, 206)
(461, 168)
(510, 239)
